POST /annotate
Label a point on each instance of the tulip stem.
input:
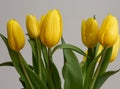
(25, 73)
(39, 64)
(51, 85)
(98, 69)
(49, 54)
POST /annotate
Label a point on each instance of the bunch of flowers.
(44, 34)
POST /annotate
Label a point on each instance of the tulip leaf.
(26, 73)
(106, 60)
(34, 54)
(90, 64)
(55, 76)
(90, 71)
(13, 55)
(72, 72)
(54, 80)
(83, 68)
(90, 58)
(36, 57)
(15, 59)
(71, 47)
(92, 52)
(22, 82)
(45, 54)
(32, 76)
(7, 64)
(103, 77)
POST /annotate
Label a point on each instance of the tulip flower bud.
(108, 32)
(115, 50)
(41, 22)
(16, 39)
(51, 29)
(89, 32)
(32, 26)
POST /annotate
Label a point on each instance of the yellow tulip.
(89, 32)
(32, 26)
(16, 39)
(108, 32)
(41, 22)
(115, 50)
(51, 29)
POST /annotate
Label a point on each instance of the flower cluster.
(48, 29)
(44, 34)
(107, 35)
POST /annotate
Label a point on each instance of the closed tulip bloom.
(115, 50)
(89, 32)
(108, 32)
(32, 25)
(16, 39)
(41, 22)
(51, 29)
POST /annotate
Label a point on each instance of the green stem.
(49, 54)
(97, 70)
(49, 60)
(39, 59)
(51, 85)
(25, 73)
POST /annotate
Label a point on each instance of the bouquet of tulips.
(43, 36)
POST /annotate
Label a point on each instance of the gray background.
(73, 11)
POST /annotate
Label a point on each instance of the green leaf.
(13, 55)
(83, 68)
(35, 80)
(92, 52)
(16, 62)
(7, 64)
(90, 58)
(90, 71)
(55, 77)
(72, 72)
(103, 77)
(34, 55)
(106, 60)
(22, 82)
(26, 73)
(45, 54)
(71, 47)
(90, 64)
(32, 77)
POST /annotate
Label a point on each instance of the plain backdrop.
(73, 11)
